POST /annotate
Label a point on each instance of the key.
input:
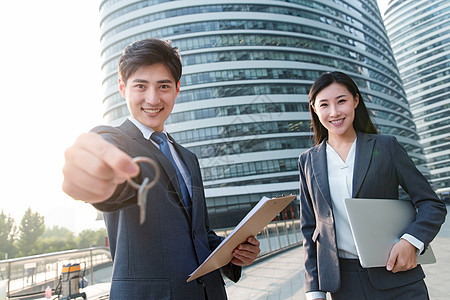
(144, 187)
(142, 200)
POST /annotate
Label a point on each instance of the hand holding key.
(94, 167)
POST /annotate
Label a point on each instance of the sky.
(51, 92)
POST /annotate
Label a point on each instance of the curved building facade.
(247, 70)
(420, 39)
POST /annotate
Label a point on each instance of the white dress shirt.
(340, 179)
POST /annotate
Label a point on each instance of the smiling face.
(150, 93)
(335, 108)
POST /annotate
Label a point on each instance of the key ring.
(155, 178)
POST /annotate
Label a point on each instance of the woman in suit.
(350, 160)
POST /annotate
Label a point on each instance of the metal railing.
(28, 275)
(275, 236)
(33, 274)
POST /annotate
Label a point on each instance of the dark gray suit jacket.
(381, 165)
(153, 260)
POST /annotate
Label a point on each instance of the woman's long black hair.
(362, 120)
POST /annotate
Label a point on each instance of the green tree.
(31, 229)
(56, 239)
(92, 238)
(57, 232)
(8, 234)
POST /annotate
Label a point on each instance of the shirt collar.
(146, 131)
(349, 161)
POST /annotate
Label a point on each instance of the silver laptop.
(377, 225)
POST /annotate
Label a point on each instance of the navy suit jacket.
(153, 260)
(381, 165)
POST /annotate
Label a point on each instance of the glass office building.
(420, 39)
(247, 70)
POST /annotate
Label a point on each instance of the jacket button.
(194, 235)
(200, 280)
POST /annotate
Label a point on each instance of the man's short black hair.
(148, 52)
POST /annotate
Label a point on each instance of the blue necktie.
(161, 139)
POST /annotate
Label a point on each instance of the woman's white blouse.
(340, 178)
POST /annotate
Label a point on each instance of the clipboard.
(261, 215)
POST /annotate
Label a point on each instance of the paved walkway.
(282, 277)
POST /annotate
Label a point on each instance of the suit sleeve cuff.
(232, 272)
(414, 241)
(315, 295)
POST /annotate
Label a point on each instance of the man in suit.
(152, 260)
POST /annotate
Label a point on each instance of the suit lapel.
(320, 171)
(136, 134)
(131, 130)
(363, 155)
